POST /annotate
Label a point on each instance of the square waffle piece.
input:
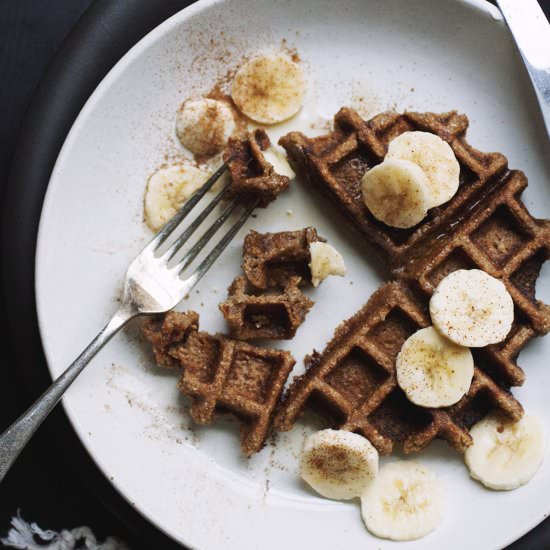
(222, 375)
(272, 315)
(252, 176)
(271, 259)
(353, 384)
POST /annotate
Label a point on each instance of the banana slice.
(279, 162)
(325, 261)
(434, 156)
(472, 308)
(505, 454)
(397, 192)
(167, 190)
(204, 125)
(269, 88)
(404, 502)
(338, 464)
(432, 370)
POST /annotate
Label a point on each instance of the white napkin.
(30, 536)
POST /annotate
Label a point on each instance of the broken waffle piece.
(274, 315)
(167, 331)
(271, 259)
(353, 382)
(229, 376)
(253, 177)
(222, 375)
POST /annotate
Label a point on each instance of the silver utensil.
(531, 32)
(155, 283)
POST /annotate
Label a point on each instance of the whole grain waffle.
(275, 315)
(484, 226)
(271, 259)
(222, 375)
(167, 331)
(335, 163)
(252, 176)
(353, 384)
(500, 237)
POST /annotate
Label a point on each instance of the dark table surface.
(55, 486)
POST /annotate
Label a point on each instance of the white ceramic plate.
(376, 54)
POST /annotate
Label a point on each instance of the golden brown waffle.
(222, 375)
(271, 259)
(353, 383)
(268, 315)
(252, 176)
(335, 163)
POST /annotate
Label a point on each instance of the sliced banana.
(397, 192)
(167, 190)
(204, 125)
(269, 88)
(325, 260)
(432, 370)
(505, 454)
(338, 464)
(472, 308)
(404, 502)
(279, 162)
(435, 157)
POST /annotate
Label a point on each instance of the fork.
(531, 32)
(155, 283)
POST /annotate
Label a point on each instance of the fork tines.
(171, 230)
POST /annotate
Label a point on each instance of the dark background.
(54, 482)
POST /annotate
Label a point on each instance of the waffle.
(167, 331)
(268, 315)
(252, 176)
(335, 163)
(500, 237)
(353, 384)
(271, 259)
(222, 375)
(485, 225)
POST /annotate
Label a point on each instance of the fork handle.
(14, 439)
